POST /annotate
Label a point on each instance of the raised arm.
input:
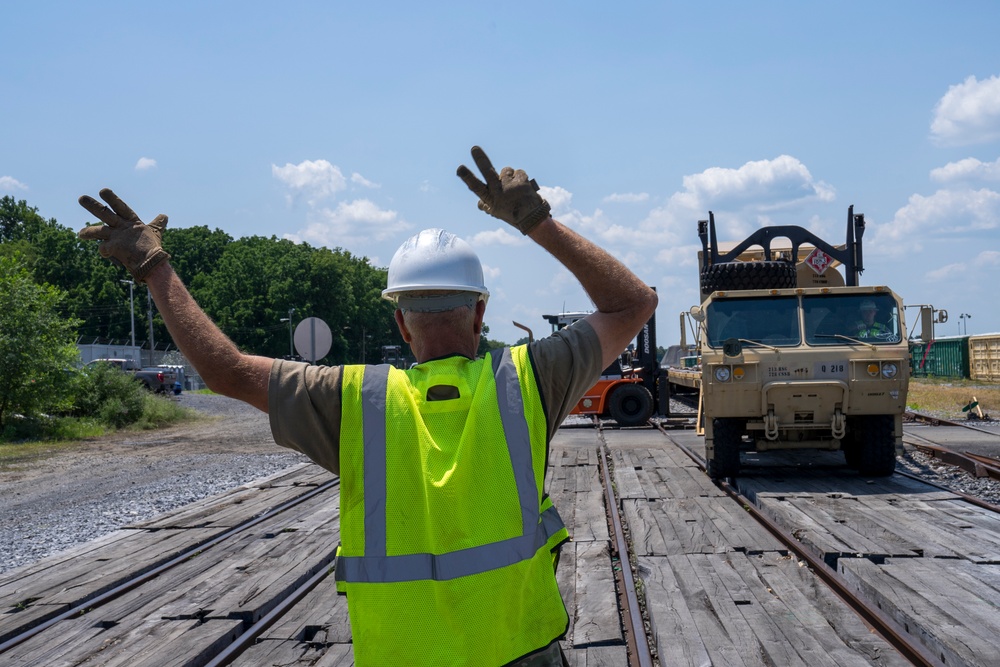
(138, 246)
(624, 303)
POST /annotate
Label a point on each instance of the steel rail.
(134, 582)
(888, 628)
(938, 421)
(247, 639)
(637, 643)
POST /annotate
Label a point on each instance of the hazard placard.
(818, 261)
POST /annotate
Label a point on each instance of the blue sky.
(341, 124)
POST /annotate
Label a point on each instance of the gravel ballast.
(53, 504)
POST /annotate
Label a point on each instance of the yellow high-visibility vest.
(447, 541)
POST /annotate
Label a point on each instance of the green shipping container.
(943, 358)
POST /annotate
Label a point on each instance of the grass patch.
(159, 411)
(946, 398)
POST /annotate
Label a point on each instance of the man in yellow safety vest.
(448, 539)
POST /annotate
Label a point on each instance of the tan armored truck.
(796, 355)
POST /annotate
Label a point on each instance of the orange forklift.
(628, 390)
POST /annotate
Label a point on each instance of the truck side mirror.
(926, 323)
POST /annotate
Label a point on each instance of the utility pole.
(131, 303)
(152, 342)
(291, 339)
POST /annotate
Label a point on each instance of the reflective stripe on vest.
(376, 566)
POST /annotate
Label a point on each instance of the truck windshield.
(769, 320)
(836, 319)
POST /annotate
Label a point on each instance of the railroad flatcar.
(958, 357)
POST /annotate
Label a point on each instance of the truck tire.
(877, 446)
(747, 275)
(631, 405)
(851, 443)
(728, 434)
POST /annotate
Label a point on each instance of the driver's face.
(868, 315)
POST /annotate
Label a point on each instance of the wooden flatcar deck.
(719, 588)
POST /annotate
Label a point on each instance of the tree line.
(56, 290)
(246, 285)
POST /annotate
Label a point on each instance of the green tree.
(55, 256)
(36, 345)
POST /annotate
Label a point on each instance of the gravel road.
(48, 505)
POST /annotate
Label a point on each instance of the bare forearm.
(220, 363)
(610, 284)
(623, 301)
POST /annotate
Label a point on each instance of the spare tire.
(729, 276)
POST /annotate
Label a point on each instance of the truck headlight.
(722, 373)
(889, 370)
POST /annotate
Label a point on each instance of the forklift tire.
(728, 434)
(631, 405)
(747, 275)
(877, 454)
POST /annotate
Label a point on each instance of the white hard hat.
(868, 304)
(435, 260)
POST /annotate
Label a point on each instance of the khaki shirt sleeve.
(566, 364)
(304, 410)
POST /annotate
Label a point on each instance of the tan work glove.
(510, 196)
(124, 238)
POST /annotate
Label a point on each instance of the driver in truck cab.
(866, 326)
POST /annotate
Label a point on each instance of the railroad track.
(45, 637)
(51, 632)
(872, 615)
(32, 636)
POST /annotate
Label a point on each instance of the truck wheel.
(851, 443)
(877, 446)
(747, 275)
(852, 452)
(631, 405)
(728, 436)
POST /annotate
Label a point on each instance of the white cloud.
(354, 222)
(558, 198)
(145, 163)
(490, 273)
(499, 236)
(969, 113)
(984, 260)
(316, 179)
(358, 179)
(969, 169)
(11, 184)
(762, 184)
(627, 197)
(944, 214)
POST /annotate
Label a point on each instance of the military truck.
(796, 355)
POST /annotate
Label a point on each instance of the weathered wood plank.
(32, 594)
(315, 631)
(566, 578)
(647, 540)
(676, 634)
(597, 619)
(953, 622)
(590, 520)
